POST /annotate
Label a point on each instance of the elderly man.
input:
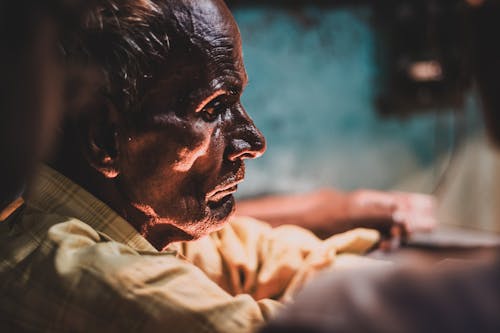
(161, 149)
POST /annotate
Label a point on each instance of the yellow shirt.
(58, 273)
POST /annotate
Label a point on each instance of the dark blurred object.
(484, 28)
(32, 83)
(456, 296)
(28, 89)
(421, 52)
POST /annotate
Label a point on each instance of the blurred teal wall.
(313, 82)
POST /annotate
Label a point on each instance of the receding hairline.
(204, 20)
(128, 39)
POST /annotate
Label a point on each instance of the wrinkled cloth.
(70, 263)
(248, 256)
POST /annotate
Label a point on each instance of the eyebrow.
(207, 100)
(220, 92)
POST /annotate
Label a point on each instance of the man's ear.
(100, 138)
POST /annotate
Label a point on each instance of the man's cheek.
(187, 155)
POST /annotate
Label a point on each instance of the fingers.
(416, 212)
(414, 222)
(397, 215)
(367, 204)
(423, 203)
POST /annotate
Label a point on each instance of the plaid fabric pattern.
(71, 264)
(59, 274)
(54, 193)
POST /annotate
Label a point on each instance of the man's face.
(181, 157)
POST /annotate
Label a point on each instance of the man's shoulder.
(58, 272)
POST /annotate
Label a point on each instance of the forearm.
(324, 212)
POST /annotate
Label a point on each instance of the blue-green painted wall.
(311, 91)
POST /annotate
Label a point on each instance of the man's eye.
(212, 110)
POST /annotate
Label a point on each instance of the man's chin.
(224, 208)
(220, 212)
(217, 218)
(163, 231)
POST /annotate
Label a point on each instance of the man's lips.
(223, 190)
(217, 196)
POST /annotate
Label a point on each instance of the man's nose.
(246, 141)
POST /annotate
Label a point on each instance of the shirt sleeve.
(75, 281)
(250, 257)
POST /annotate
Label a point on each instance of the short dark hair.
(122, 39)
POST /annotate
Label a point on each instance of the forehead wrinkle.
(201, 19)
(226, 55)
(227, 78)
(207, 28)
(205, 24)
(211, 18)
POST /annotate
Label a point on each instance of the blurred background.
(362, 94)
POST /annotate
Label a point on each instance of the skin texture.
(171, 168)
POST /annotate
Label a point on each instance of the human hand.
(328, 211)
(396, 214)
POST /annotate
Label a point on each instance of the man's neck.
(107, 190)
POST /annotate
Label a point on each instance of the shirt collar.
(54, 193)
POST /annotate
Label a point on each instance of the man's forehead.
(205, 52)
(207, 20)
(207, 28)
